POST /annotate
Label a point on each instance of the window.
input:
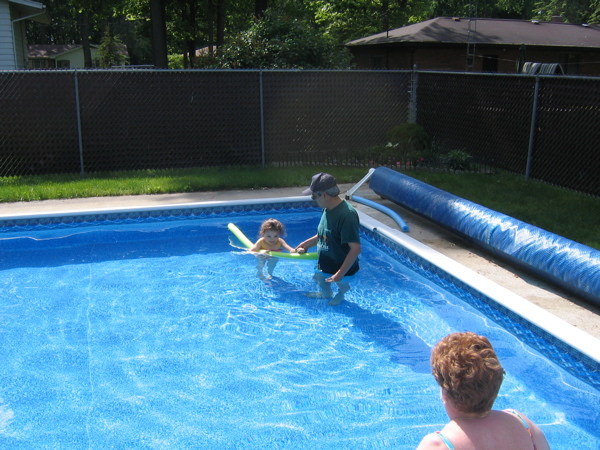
(41, 64)
(570, 63)
(377, 62)
(489, 63)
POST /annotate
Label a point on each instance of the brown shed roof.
(50, 50)
(489, 31)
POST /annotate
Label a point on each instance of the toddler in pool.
(270, 240)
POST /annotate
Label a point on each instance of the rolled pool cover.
(569, 264)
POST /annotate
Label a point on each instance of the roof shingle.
(489, 31)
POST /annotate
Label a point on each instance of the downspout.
(13, 32)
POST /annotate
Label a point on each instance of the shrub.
(408, 143)
(458, 160)
(410, 137)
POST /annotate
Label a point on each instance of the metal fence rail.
(84, 122)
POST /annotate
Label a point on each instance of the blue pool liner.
(569, 264)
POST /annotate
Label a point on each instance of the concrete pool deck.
(571, 309)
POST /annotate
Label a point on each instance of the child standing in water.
(270, 240)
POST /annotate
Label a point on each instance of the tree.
(572, 11)
(277, 41)
(345, 20)
(111, 50)
(503, 9)
(84, 21)
(159, 33)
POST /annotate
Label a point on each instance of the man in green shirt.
(337, 239)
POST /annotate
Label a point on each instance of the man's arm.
(305, 245)
(355, 249)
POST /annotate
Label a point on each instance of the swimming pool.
(146, 329)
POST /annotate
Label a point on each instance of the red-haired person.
(469, 375)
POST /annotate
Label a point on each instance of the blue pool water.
(155, 332)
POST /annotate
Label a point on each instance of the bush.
(408, 143)
(409, 136)
(458, 160)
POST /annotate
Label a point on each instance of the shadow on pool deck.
(571, 309)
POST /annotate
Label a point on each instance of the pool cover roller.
(573, 266)
(248, 244)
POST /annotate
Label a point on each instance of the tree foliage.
(111, 50)
(270, 33)
(278, 41)
(572, 11)
(503, 9)
(345, 20)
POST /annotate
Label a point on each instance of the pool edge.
(552, 324)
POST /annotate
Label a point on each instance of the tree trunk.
(159, 34)
(191, 51)
(220, 23)
(211, 26)
(85, 40)
(260, 6)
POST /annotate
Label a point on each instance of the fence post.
(78, 114)
(262, 120)
(532, 127)
(412, 103)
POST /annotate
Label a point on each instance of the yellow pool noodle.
(248, 244)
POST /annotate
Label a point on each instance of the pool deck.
(571, 309)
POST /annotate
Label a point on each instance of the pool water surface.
(158, 334)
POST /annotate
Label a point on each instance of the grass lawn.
(566, 213)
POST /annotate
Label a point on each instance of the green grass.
(566, 213)
(14, 189)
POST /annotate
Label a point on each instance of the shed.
(481, 45)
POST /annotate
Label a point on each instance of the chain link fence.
(544, 127)
(88, 122)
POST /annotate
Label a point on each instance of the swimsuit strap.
(525, 424)
(445, 439)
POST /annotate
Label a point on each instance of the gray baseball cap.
(320, 183)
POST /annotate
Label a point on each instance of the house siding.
(76, 58)
(453, 58)
(7, 58)
(20, 39)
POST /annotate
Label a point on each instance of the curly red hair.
(467, 369)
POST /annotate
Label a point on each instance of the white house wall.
(20, 42)
(7, 57)
(76, 58)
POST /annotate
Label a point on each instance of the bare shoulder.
(537, 434)
(430, 442)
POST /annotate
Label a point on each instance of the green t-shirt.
(336, 229)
